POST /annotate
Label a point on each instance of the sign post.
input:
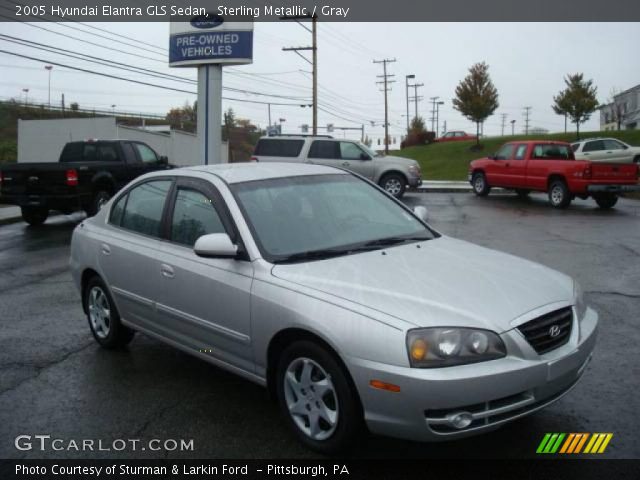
(208, 42)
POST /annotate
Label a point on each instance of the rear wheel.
(98, 201)
(34, 216)
(479, 184)
(559, 195)
(394, 183)
(316, 398)
(522, 193)
(606, 200)
(103, 316)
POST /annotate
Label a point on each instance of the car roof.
(539, 142)
(596, 138)
(251, 171)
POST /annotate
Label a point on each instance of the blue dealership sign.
(208, 39)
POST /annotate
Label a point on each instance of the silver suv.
(393, 174)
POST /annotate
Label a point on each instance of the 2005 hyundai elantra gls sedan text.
(343, 302)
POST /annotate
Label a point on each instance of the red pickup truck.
(546, 166)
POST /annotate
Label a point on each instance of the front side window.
(505, 153)
(350, 151)
(144, 206)
(193, 216)
(146, 154)
(301, 217)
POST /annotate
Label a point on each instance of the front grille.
(549, 331)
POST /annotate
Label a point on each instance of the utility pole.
(416, 98)
(314, 59)
(385, 80)
(438, 118)
(444, 127)
(269, 112)
(62, 104)
(406, 81)
(434, 100)
(49, 68)
(504, 119)
(527, 113)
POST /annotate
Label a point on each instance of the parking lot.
(55, 380)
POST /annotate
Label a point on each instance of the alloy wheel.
(393, 186)
(99, 312)
(311, 398)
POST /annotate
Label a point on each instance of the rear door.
(325, 152)
(595, 151)
(207, 301)
(278, 150)
(131, 255)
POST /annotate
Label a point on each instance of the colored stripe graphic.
(573, 443)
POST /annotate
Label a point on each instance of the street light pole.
(513, 124)
(49, 68)
(406, 80)
(26, 96)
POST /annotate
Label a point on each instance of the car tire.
(34, 216)
(103, 316)
(394, 184)
(523, 193)
(559, 195)
(636, 159)
(97, 202)
(606, 200)
(479, 184)
(328, 421)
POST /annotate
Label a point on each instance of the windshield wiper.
(383, 242)
(313, 255)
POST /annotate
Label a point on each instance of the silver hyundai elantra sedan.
(339, 299)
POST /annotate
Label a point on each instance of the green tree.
(417, 127)
(476, 96)
(578, 100)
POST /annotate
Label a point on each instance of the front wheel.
(103, 316)
(34, 216)
(316, 398)
(606, 200)
(394, 183)
(479, 184)
(559, 195)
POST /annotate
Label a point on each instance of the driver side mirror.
(163, 160)
(215, 245)
(364, 156)
(492, 156)
(421, 212)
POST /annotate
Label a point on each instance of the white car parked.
(609, 150)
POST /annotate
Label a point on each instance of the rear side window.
(593, 146)
(193, 216)
(324, 149)
(107, 152)
(72, 152)
(275, 147)
(143, 208)
(552, 152)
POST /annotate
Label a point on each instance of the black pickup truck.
(87, 174)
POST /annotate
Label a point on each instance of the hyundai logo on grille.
(554, 331)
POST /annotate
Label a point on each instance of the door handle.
(106, 249)
(166, 271)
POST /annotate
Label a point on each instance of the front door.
(207, 300)
(497, 170)
(356, 159)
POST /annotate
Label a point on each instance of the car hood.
(440, 282)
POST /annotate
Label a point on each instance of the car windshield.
(320, 216)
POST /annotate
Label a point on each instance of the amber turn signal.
(384, 386)
(418, 349)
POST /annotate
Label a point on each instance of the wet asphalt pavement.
(55, 380)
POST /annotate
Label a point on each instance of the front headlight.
(448, 346)
(414, 169)
(578, 299)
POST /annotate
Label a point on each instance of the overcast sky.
(527, 64)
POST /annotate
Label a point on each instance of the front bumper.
(493, 392)
(415, 182)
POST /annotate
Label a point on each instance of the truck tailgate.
(626, 173)
(34, 179)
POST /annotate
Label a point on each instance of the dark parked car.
(87, 174)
